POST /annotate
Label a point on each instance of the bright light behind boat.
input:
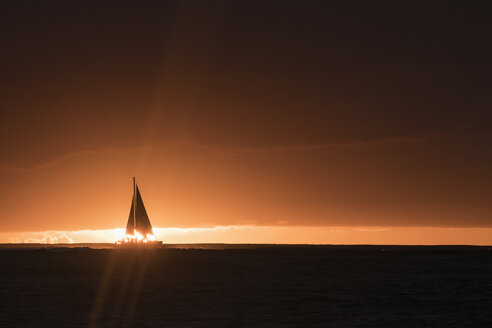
(137, 238)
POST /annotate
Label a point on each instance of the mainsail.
(138, 221)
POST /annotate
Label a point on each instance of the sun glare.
(137, 237)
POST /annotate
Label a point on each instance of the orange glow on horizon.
(173, 175)
(269, 235)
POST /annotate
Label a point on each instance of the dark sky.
(233, 112)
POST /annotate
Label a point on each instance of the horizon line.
(280, 235)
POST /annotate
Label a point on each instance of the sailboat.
(138, 227)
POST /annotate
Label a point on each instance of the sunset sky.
(305, 118)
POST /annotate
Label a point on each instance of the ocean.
(245, 286)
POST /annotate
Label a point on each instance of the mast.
(134, 206)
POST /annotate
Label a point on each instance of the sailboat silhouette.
(138, 228)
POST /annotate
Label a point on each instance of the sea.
(217, 285)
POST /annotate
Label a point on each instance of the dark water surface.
(247, 286)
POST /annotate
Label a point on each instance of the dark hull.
(139, 245)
